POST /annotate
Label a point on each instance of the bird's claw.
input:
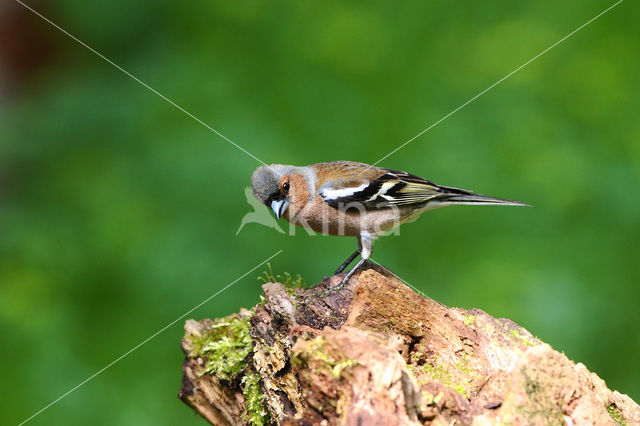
(338, 287)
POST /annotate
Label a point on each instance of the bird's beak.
(279, 207)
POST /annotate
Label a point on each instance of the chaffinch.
(354, 199)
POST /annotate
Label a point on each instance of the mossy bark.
(377, 353)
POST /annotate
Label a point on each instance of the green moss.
(469, 319)
(444, 376)
(429, 400)
(461, 390)
(286, 279)
(616, 414)
(336, 370)
(464, 367)
(225, 347)
(316, 350)
(254, 411)
(458, 382)
(522, 338)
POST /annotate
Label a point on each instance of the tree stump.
(377, 353)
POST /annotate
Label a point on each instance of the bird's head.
(271, 186)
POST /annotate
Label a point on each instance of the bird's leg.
(347, 262)
(349, 259)
(349, 274)
(366, 243)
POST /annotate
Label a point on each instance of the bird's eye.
(285, 186)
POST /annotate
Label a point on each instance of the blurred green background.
(118, 212)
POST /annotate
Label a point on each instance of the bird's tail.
(474, 199)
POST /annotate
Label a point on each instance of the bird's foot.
(338, 287)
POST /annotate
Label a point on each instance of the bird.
(348, 198)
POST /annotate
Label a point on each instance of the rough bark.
(377, 353)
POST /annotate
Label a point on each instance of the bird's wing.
(347, 183)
